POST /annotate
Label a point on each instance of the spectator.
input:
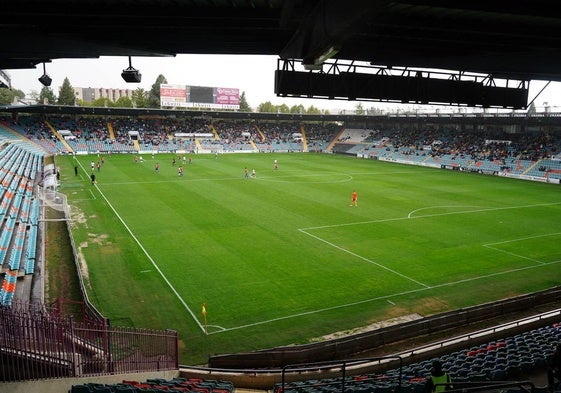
(554, 369)
(438, 381)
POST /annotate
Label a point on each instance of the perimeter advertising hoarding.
(199, 97)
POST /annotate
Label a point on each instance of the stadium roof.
(513, 39)
(500, 39)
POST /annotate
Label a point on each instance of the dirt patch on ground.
(94, 238)
(430, 306)
(101, 240)
(82, 261)
(78, 217)
(373, 326)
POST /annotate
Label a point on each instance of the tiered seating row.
(8, 287)
(157, 385)
(19, 215)
(502, 360)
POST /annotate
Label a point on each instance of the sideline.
(185, 305)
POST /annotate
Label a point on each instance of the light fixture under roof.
(131, 75)
(45, 79)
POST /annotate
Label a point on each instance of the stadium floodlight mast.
(131, 75)
(45, 79)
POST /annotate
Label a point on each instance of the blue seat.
(498, 374)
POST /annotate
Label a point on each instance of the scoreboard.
(199, 97)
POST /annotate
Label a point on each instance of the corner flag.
(203, 311)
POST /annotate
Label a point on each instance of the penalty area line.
(383, 297)
(490, 246)
(364, 259)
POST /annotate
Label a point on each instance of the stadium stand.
(510, 359)
(21, 168)
(19, 163)
(529, 155)
(159, 385)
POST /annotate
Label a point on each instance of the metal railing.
(37, 344)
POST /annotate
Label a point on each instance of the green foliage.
(267, 107)
(80, 102)
(140, 98)
(244, 105)
(66, 94)
(283, 258)
(7, 96)
(312, 110)
(154, 94)
(283, 108)
(123, 102)
(297, 109)
(47, 96)
(102, 102)
(359, 109)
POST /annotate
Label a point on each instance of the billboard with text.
(199, 97)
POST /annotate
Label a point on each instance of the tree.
(66, 94)
(283, 108)
(267, 107)
(102, 102)
(7, 96)
(244, 106)
(34, 95)
(532, 109)
(154, 94)
(123, 102)
(297, 109)
(47, 96)
(80, 102)
(359, 110)
(140, 98)
(312, 110)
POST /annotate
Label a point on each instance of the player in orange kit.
(354, 199)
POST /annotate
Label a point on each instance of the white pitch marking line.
(514, 255)
(490, 246)
(364, 259)
(523, 238)
(408, 217)
(151, 260)
(384, 297)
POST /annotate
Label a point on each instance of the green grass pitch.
(284, 259)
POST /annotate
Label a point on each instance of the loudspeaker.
(130, 75)
(45, 80)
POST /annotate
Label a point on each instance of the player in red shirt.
(354, 199)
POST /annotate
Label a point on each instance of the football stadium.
(198, 247)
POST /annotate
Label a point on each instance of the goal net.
(55, 200)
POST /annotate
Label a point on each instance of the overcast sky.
(253, 75)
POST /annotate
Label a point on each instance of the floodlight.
(45, 79)
(131, 75)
